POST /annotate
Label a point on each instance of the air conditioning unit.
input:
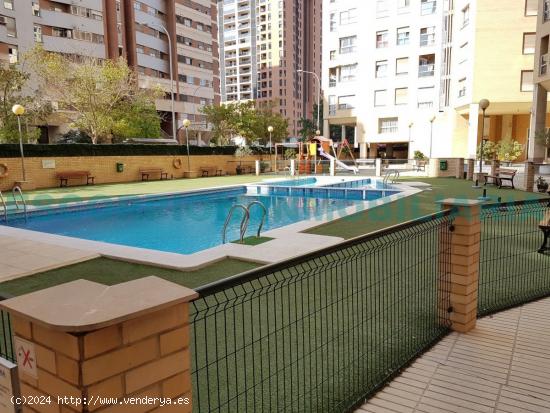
(2, 20)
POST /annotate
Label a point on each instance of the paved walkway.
(501, 366)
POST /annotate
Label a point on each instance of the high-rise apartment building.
(136, 30)
(263, 44)
(407, 75)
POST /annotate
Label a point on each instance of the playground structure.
(312, 153)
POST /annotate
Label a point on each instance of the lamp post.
(19, 111)
(165, 30)
(270, 129)
(410, 129)
(318, 95)
(186, 124)
(483, 104)
(432, 120)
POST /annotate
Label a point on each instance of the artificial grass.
(97, 192)
(415, 206)
(254, 241)
(109, 272)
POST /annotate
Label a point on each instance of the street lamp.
(19, 111)
(174, 126)
(186, 124)
(318, 95)
(483, 104)
(432, 120)
(410, 129)
(270, 129)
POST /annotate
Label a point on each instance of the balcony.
(544, 64)
(426, 70)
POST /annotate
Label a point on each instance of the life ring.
(177, 163)
(3, 170)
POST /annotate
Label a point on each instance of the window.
(526, 80)
(348, 17)
(463, 53)
(347, 44)
(425, 97)
(465, 16)
(333, 22)
(380, 97)
(401, 96)
(332, 77)
(332, 54)
(388, 125)
(346, 102)
(13, 54)
(35, 9)
(529, 40)
(348, 73)
(427, 7)
(37, 33)
(11, 29)
(403, 36)
(401, 4)
(531, 7)
(381, 68)
(402, 66)
(8, 4)
(462, 87)
(426, 65)
(381, 39)
(331, 105)
(427, 36)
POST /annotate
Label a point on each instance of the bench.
(420, 166)
(544, 225)
(146, 172)
(211, 171)
(500, 176)
(64, 177)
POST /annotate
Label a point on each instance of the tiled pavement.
(501, 366)
(20, 257)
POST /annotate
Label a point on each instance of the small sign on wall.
(26, 356)
(9, 386)
(48, 163)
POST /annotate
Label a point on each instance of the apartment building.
(407, 75)
(541, 80)
(136, 30)
(263, 44)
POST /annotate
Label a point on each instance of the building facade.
(136, 30)
(407, 75)
(263, 45)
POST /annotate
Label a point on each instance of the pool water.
(180, 224)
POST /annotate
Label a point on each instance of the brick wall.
(104, 168)
(455, 168)
(147, 356)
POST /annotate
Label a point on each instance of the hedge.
(83, 149)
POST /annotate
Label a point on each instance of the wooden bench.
(146, 172)
(544, 225)
(420, 166)
(64, 177)
(502, 175)
(211, 171)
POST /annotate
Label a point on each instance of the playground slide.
(338, 162)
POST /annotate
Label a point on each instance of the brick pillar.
(459, 171)
(464, 262)
(470, 172)
(91, 341)
(529, 177)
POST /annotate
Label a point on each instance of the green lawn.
(110, 272)
(96, 192)
(414, 207)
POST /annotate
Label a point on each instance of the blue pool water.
(181, 224)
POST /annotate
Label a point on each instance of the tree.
(138, 119)
(224, 121)
(13, 81)
(508, 150)
(307, 129)
(99, 96)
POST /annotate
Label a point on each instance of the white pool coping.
(288, 241)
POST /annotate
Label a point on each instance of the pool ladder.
(16, 192)
(246, 219)
(389, 174)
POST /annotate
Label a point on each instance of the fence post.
(88, 341)
(470, 172)
(257, 165)
(464, 262)
(332, 167)
(529, 177)
(378, 166)
(292, 167)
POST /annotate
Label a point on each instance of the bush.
(45, 151)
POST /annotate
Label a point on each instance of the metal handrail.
(264, 215)
(244, 221)
(3, 201)
(396, 175)
(18, 190)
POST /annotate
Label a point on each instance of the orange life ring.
(3, 170)
(177, 163)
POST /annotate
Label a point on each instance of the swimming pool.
(189, 223)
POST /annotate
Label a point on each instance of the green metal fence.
(322, 332)
(512, 270)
